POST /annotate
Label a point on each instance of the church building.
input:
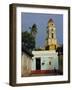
(46, 61)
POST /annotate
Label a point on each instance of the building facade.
(26, 60)
(44, 61)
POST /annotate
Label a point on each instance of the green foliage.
(28, 40)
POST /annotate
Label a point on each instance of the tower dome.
(50, 20)
(51, 23)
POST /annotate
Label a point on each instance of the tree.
(60, 58)
(28, 40)
(34, 30)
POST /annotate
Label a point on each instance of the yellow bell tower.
(51, 41)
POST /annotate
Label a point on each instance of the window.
(52, 35)
(49, 62)
(52, 24)
(52, 30)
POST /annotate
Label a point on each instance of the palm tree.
(33, 30)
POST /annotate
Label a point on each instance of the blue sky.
(41, 20)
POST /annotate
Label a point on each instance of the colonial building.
(26, 60)
(45, 61)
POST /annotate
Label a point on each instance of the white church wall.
(45, 61)
(33, 63)
(46, 57)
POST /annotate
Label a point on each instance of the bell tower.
(51, 40)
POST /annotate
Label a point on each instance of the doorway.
(38, 63)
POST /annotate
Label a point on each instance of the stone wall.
(25, 65)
